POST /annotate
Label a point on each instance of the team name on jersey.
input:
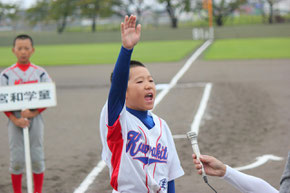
(20, 81)
(157, 154)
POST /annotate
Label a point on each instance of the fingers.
(197, 164)
(132, 21)
(122, 28)
(26, 124)
(138, 29)
(23, 123)
(198, 167)
(205, 158)
(195, 160)
(129, 22)
(202, 158)
(126, 22)
(130, 32)
(199, 172)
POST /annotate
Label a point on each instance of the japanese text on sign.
(27, 96)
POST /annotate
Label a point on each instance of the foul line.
(201, 109)
(101, 165)
(180, 73)
(91, 177)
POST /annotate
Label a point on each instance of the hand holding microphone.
(192, 136)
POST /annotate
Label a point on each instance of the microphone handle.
(197, 153)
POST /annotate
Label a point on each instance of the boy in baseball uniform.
(24, 72)
(138, 146)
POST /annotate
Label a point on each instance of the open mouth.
(149, 97)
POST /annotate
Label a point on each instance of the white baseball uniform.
(14, 75)
(140, 160)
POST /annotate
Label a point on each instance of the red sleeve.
(8, 113)
(40, 110)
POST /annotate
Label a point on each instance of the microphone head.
(191, 135)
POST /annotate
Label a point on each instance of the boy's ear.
(126, 95)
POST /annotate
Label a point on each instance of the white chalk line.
(181, 72)
(101, 165)
(195, 128)
(260, 161)
(201, 109)
(91, 177)
(181, 85)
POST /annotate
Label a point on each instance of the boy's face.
(141, 90)
(23, 50)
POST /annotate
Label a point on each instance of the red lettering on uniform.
(20, 81)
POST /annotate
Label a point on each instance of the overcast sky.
(22, 3)
(28, 3)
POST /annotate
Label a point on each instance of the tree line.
(60, 10)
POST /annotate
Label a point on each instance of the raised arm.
(130, 35)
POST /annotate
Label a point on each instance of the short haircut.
(23, 37)
(133, 63)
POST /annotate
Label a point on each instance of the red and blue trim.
(115, 144)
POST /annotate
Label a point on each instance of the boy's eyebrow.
(143, 77)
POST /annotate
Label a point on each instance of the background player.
(243, 182)
(137, 145)
(23, 72)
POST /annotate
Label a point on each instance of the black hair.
(23, 37)
(133, 63)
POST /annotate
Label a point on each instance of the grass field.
(157, 51)
(157, 45)
(106, 53)
(250, 48)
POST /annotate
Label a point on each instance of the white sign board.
(27, 96)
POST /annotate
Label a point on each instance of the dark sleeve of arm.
(119, 84)
(171, 187)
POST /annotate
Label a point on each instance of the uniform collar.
(23, 67)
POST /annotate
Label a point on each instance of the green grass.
(106, 53)
(154, 51)
(250, 48)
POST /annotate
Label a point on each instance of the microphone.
(192, 136)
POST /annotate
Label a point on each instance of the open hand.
(129, 32)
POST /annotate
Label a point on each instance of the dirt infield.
(247, 116)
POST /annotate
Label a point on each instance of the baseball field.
(246, 115)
